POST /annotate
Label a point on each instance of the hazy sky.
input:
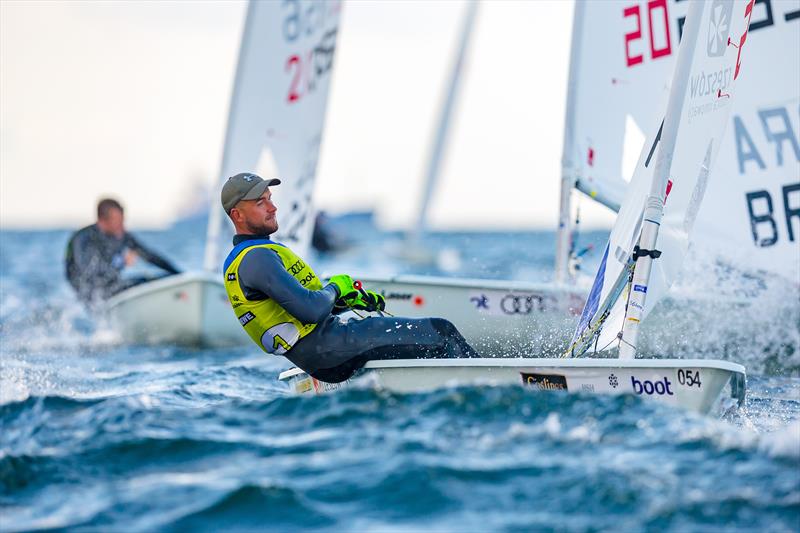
(130, 99)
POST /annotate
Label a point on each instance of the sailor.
(97, 255)
(287, 310)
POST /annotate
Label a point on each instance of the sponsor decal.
(310, 276)
(481, 302)
(689, 378)
(304, 385)
(247, 317)
(232, 276)
(587, 387)
(324, 386)
(635, 305)
(235, 298)
(719, 27)
(518, 304)
(613, 381)
(237, 305)
(397, 295)
(659, 387)
(545, 381)
(298, 266)
(640, 288)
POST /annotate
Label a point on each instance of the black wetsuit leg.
(336, 349)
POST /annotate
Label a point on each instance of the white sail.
(278, 109)
(751, 216)
(622, 66)
(673, 170)
(450, 99)
(626, 56)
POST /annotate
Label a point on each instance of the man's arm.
(149, 255)
(262, 271)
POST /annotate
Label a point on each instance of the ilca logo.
(481, 302)
(719, 27)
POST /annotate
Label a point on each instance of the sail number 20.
(656, 10)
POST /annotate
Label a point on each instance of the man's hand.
(369, 301)
(347, 292)
(130, 257)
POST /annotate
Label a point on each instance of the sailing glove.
(369, 301)
(347, 292)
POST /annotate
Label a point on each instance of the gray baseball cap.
(244, 186)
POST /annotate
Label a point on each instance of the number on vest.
(280, 338)
(278, 341)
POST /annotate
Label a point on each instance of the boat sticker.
(545, 381)
(659, 387)
(689, 378)
(640, 288)
(613, 381)
(304, 385)
(481, 302)
(397, 295)
(521, 304)
(324, 386)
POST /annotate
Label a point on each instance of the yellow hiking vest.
(268, 324)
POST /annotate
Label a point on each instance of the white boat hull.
(190, 309)
(698, 385)
(515, 318)
(496, 317)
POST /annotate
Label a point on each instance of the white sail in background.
(752, 213)
(450, 99)
(623, 67)
(626, 57)
(677, 166)
(278, 109)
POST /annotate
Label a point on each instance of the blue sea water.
(99, 436)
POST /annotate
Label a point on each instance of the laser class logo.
(719, 27)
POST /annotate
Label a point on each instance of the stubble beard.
(263, 228)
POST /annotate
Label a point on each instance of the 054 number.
(689, 378)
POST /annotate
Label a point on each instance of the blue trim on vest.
(239, 248)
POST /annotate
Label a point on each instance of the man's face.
(256, 217)
(113, 223)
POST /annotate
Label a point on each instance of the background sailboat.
(275, 126)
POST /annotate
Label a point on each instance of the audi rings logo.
(520, 304)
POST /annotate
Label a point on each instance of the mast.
(210, 258)
(654, 207)
(444, 120)
(564, 231)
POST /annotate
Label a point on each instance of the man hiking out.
(286, 309)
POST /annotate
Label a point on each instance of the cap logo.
(247, 177)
